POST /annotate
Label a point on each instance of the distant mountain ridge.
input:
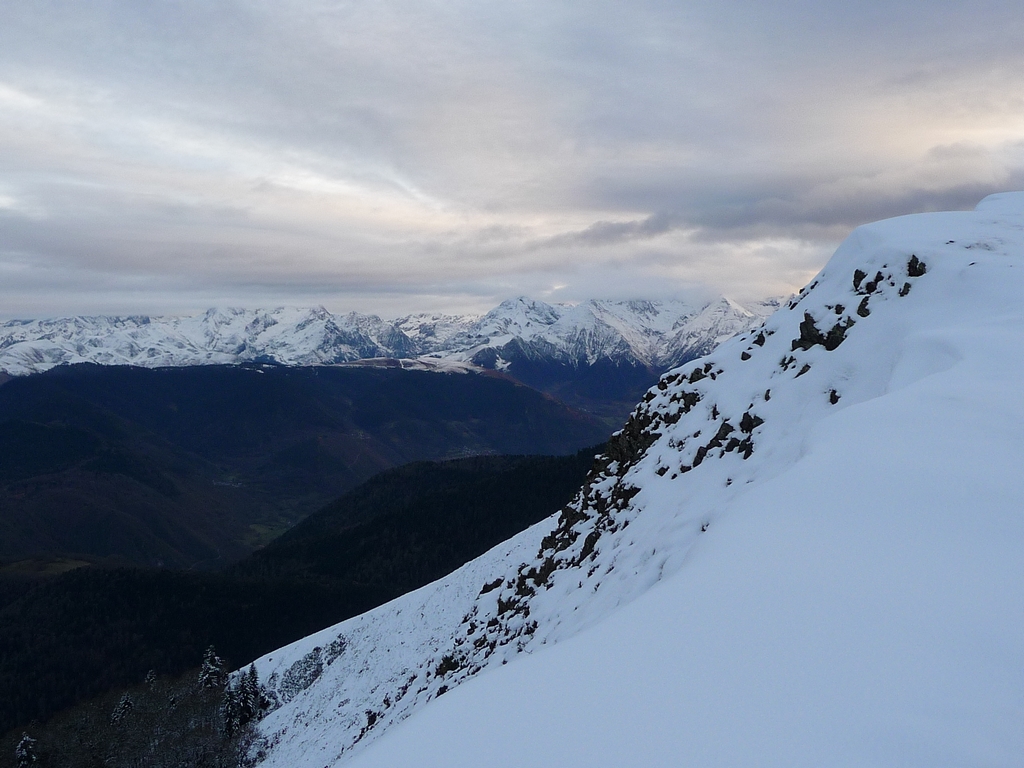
(649, 334)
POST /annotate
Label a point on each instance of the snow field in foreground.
(846, 614)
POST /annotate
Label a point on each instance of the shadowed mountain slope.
(67, 638)
(194, 467)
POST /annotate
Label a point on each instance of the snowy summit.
(804, 549)
(653, 334)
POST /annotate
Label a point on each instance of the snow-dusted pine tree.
(25, 752)
(253, 700)
(231, 711)
(211, 675)
(244, 702)
(122, 709)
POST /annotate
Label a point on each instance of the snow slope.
(805, 549)
(649, 333)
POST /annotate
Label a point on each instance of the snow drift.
(804, 549)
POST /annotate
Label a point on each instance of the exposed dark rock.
(723, 432)
(687, 398)
(873, 284)
(629, 444)
(448, 664)
(539, 576)
(669, 418)
(699, 457)
(916, 267)
(490, 587)
(837, 334)
(809, 334)
(749, 422)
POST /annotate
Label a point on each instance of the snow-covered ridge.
(654, 334)
(915, 321)
(218, 336)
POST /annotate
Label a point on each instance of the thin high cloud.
(427, 155)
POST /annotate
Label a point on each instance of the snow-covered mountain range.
(655, 334)
(804, 549)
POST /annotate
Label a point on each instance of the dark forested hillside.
(68, 637)
(195, 467)
(407, 526)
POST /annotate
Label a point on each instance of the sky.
(167, 156)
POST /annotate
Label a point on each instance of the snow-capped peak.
(635, 332)
(520, 317)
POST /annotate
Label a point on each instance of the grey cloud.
(608, 232)
(457, 149)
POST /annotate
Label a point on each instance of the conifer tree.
(231, 711)
(121, 710)
(250, 694)
(211, 675)
(25, 752)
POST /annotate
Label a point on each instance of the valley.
(74, 632)
(194, 467)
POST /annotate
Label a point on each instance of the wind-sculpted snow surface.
(831, 507)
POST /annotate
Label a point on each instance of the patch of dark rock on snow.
(873, 284)
(749, 422)
(810, 335)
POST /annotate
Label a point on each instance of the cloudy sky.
(165, 156)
